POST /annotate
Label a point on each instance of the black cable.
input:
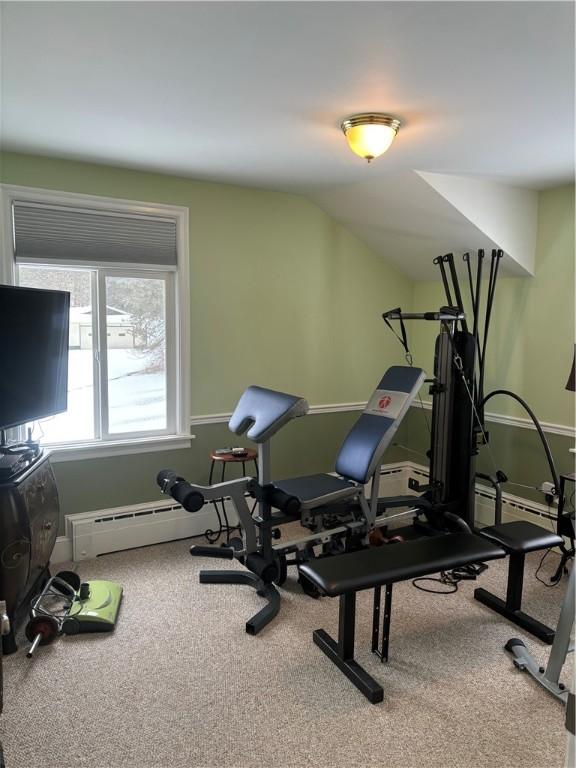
(404, 339)
(451, 578)
(546, 584)
(536, 423)
(444, 579)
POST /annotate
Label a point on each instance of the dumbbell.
(376, 538)
(41, 630)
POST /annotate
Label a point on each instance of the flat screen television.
(34, 327)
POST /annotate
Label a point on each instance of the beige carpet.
(180, 683)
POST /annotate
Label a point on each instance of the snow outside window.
(121, 380)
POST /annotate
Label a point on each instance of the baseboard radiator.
(394, 479)
(90, 534)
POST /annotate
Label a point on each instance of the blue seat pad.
(317, 489)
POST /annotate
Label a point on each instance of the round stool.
(230, 458)
(224, 459)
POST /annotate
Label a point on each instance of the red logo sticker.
(384, 402)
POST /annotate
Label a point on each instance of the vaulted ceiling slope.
(414, 217)
(253, 93)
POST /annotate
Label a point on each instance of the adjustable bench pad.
(371, 568)
(317, 490)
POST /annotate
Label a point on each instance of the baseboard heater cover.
(112, 530)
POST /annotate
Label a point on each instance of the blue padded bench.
(362, 451)
(345, 575)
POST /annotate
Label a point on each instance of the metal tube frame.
(549, 676)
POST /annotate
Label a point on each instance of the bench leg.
(382, 652)
(511, 609)
(341, 652)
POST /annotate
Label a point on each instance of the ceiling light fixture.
(369, 135)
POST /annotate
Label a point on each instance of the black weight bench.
(344, 575)
(518, 538)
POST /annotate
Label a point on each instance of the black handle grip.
(180, 490)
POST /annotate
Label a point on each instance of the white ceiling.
(253, 92)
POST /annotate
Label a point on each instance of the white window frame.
(177, 433)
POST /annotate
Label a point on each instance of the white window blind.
(56, 232)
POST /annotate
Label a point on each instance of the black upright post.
(453, 448)
(341, 651)
(346, 624)
(442, 408)
(515, 581)
(461, 496)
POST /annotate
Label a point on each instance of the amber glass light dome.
(370, 135)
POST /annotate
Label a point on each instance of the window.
(118, 358)
(128, 348)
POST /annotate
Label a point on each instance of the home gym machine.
(336, 509)
(457, 425)
(465, 355)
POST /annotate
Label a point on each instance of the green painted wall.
(280, 294)
(304, 446)
(530, 350)
(283, 296)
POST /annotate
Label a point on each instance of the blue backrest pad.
(364, 446)
(262, 412)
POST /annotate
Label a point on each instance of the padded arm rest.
(262, 412)
(397, 562)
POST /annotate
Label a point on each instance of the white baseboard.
(90, 534)
(62, 552)
(394, 481)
